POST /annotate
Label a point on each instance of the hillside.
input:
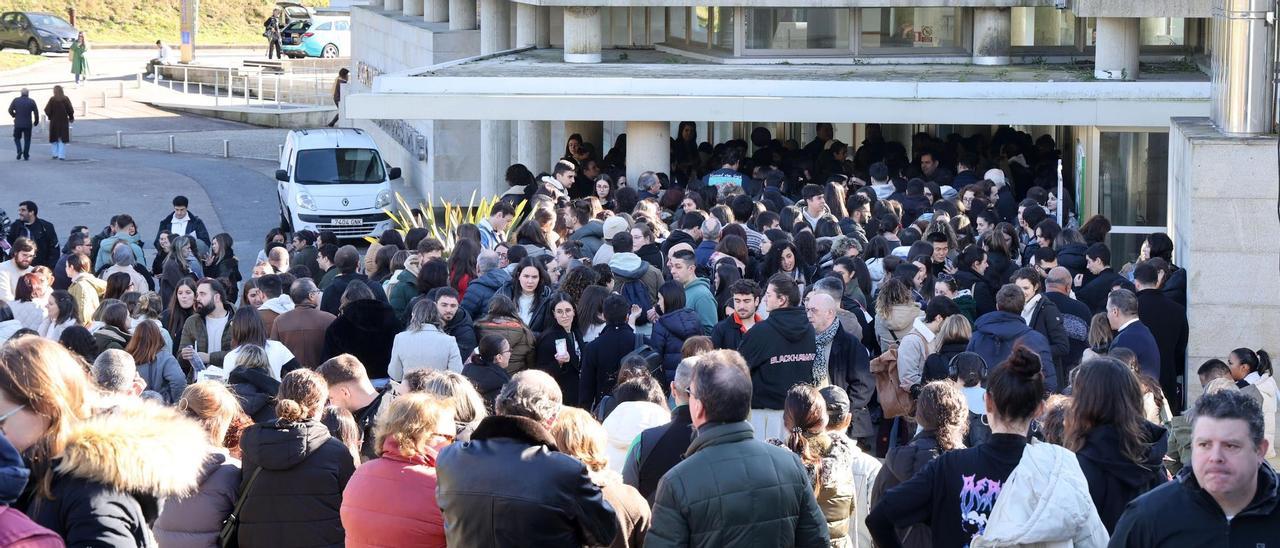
(145, 21)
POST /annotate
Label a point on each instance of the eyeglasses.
(5, 417)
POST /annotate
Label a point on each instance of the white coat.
(1045, 503)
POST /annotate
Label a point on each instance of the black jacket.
(727, 334)
(295, 499)
(509, 486)
(1167, 321)
(1047, 320)
(488, 378)
(600, 361)
(1114, 480)
(256, 390)
(983, 296)
(999, 268)
(463, 330)
(366, 329)
(779, 352)
(900, 463)
(937, 366)
(1138, 338)
(1094, 294)
(538, 320)
(228, 268)
(849, 367)
(676, 237)
(44, 236)
(481, 290)
(658, 450)
(332, 298)
(1180, 513)
(652, 254)
(567, 374)
(195, 227)
(669, 334)
(1071, 257)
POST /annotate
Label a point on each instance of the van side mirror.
(394, 173)
(282, 175)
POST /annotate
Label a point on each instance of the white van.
(335, 180)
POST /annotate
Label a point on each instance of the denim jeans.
(22, 140)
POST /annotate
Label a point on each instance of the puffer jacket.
(116, 467)
(256, 390)
(1045, 502)
(893, 326)
(995, 335)
(481, 290)
(1114, 480)
(109, 337)
(87, 292)
(669, 334)
(403, 290)
(836, 491)
(516, 334)
(625, 423)
(691, 509)
(296, 497)
(900, 464)
(365, 329)
(195, 521)
(591, 235)
(391, 501)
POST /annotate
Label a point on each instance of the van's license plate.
(346, 222)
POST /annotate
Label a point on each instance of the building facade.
(457, 90)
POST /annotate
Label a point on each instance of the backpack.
(637, 293)
(652, 358)
(894, 401)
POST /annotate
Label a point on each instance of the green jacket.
(698, 296)
(402, 293)
(733, 490)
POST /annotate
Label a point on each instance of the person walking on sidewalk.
(337, 94)
(79, 64)
(271, 31)
(26, 115)
(61, 115)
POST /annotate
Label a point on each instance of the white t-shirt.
(215, 327)
(277, 355)
(524, 303)
(178, 227)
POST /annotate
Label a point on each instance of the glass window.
(677, 23)
(339, 166)
(1133, 178)
(911, 27)
(325, 26)
(1042, 26)
(797, 28)
(722, 34)
(702, 19)
(1163, 31)
(716, 22)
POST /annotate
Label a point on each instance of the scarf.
(823, 340)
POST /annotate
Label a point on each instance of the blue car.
(326, 36)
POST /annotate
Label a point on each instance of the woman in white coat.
(423, 345)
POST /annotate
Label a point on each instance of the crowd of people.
(767, 344)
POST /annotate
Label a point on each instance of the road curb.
(198, 47)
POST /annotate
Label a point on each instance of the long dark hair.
(66, 306)
(1105, 391)
(462, 262)
(432, 274)
(117, 285)
(544, 280)
(501, 306)
(246, 328)
(672, 295)
(178, 315)
(805, 413)
(590, 307)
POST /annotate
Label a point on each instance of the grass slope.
(145, 21)
(10, 60)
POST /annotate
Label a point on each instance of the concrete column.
(393, 5)
(495, 26)
(462, 14)
(1116, 49)
(526, 25)
(991, 33)
(435, 11)
(582, 34)
(533, 145)
(648, 148)
(543, 38)
(591, 132)
(413, 8)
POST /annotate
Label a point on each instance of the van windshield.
(324, 166)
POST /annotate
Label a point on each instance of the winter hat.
(996, 176)
(613, 225)
(838, 404)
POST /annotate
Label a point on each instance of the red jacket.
(17, 530)
(391, 501)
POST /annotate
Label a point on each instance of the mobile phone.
(562, 346)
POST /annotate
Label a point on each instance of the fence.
(239, 86)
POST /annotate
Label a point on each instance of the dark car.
(36, 32)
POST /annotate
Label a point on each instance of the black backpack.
(637, 293)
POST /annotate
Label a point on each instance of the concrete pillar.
(526, 25)
(991, 33)
(413, 8)
(582, 34)
(533, 145)
(1116, 49)
(543, 38)
(435, 11)
(393, 5)
(591, 132)
(648, 148)
(462, 14)
(495, 26)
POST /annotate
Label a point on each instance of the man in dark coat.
(1131, 333)
(728, 334)
(602, 356)
(779, 352)
(305, 252)
(660, 448)
(1075, 317)
(26, 115)
(182, 222)
(509, 486)
(1228, 477)
(693, 508)
(346, 261)
(995, 335)
(40, 231)
(1167, 321)
(848, 364)
(1094, 294)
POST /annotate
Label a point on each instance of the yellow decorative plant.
(445, 226)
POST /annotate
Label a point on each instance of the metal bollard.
(139, 80)
(246, 90)
(121, 89)
(170, 144)
(119, 139)
(200, 88)
(84, 107)
(226, 148)
(279, 150)
(104, 99)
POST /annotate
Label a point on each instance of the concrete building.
(1126, 88)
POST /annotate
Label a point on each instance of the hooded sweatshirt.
(995, 334)
(698, 296)
(1114, 480)
(779, 352)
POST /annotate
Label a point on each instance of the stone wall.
(1142, 8)
(1223, 199)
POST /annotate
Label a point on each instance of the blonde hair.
(211, 404)
(955, 328)
(451, 386)
(411, 421)
(302, 395)
(580, 436)
(43, 376)
(252, 356)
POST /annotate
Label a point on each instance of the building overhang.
(797, 3)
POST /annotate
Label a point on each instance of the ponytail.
(1264, 362)
(806, 411)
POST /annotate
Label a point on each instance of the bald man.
(1075, 317)
(842, 361)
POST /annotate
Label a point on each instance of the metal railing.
(249, 87)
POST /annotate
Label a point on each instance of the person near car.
(80, 64)
(271, 31)
(26, 115)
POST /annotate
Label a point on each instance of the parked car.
(336, 180)
(291, 35)
(294, 11)
(37, 32)
(328, 37)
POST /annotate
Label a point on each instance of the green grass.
(107, 22)
(10, 60)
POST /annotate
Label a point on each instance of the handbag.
(229, 537)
